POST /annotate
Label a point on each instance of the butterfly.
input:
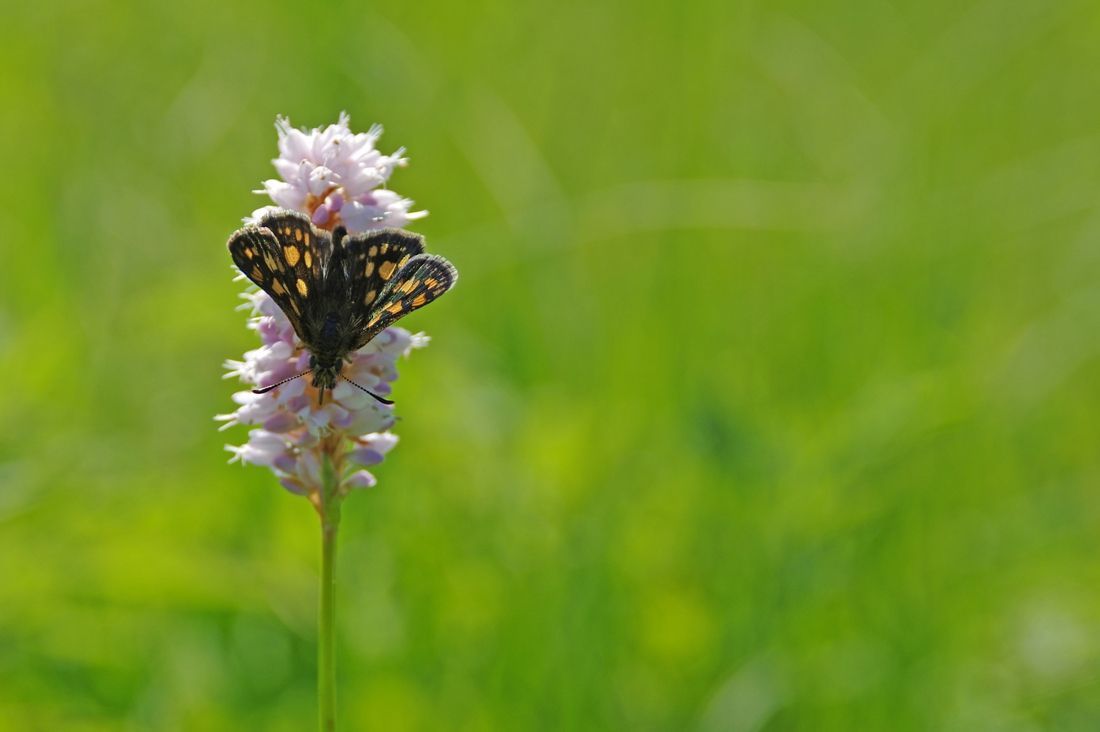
(339, 291)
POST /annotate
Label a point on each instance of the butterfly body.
(338, 291)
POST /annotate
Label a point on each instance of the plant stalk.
(326, 637)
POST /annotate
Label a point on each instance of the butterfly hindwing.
(372, 260)
(422, 279)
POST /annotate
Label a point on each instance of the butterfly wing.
(372, 259)
(371, 282)
(284, 255)
(422, 279)
(305, 248)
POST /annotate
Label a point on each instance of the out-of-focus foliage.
(768, 398)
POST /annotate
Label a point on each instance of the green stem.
(326, 642)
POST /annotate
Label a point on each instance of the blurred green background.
(767, 399)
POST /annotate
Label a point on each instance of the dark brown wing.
(284, 255)
(423, 278)
(305, 248)
(372, 259)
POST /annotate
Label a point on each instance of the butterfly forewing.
(421, 280)
(284, 255)
(304, 248)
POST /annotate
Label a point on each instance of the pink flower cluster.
(332, 175)
(338, 177)
(292, 430)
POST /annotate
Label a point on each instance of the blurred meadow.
(767, 399)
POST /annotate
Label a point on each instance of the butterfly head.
(325, 371)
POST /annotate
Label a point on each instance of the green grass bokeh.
(767, 399)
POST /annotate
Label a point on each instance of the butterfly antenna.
(360, 388)
(266, 389)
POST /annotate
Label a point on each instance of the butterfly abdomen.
(330, 332)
